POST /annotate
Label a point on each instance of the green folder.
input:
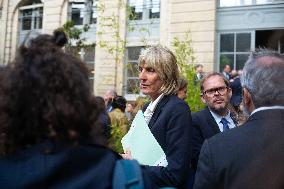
(142, 143)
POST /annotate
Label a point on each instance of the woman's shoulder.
(176, 102)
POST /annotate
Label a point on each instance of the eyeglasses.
(220, 90)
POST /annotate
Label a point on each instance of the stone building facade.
(222, 31)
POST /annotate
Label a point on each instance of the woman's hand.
(126, 155)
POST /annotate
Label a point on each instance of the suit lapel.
(211, 122)
(158, 110)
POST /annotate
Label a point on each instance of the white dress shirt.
(218, 118)
(151, 108)
(267, 108)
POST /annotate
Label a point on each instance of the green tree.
(186, 60)
(76, 42)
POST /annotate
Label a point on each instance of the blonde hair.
(165, 64)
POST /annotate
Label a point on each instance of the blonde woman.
(168, 117)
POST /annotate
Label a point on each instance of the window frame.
(146, 12)
(235, 52)
(37, 9)
(131, 96)
(91, 9)
(37, 12)
(252, 3)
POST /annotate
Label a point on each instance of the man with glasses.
(216, 117)
(251, 156)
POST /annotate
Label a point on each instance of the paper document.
(142, 144)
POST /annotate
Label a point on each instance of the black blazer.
(236, 87)
(204, 126)
(251, 156)
(171, 126)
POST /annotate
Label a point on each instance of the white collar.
(153, 104)
(267, 108)
(218, 117)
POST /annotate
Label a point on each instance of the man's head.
(215, 93)
(263, 80)
(182, 88)
(227, 69)
(199, 68)
(109, 96)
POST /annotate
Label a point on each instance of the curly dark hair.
(46, 94)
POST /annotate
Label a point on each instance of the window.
(131, 73)
(144, 9)
(87, 56)
(234, 49)
(271, 39)
(30, 19)
(83, 11)
(231, 3)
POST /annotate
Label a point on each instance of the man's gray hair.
(164, 62)
(263, 77)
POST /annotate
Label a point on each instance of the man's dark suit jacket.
(236, 87)
(250, 157)
(204, 127)
(171, 126)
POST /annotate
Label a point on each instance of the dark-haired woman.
(49, 138)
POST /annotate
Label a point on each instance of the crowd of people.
(54, 133)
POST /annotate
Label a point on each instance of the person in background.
(182, 88)
(168, 117)
(226, 72)
(104, 118)
(199, 74)
(235, 85)
(216, 117)
(119, 123)
(108, 98)
(48, 132)
(139, 104)
(129, 111)
(250, 156)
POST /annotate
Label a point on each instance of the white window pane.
(132, 3)
(139, 6)
(263, 1)
(156, 6)
(230, 3)
(148, 4)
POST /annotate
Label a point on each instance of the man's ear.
(247, 100)
(202, 96)
(229, 92)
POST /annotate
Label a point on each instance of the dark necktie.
(225, 124)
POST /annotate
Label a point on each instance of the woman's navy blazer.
(171, 126)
